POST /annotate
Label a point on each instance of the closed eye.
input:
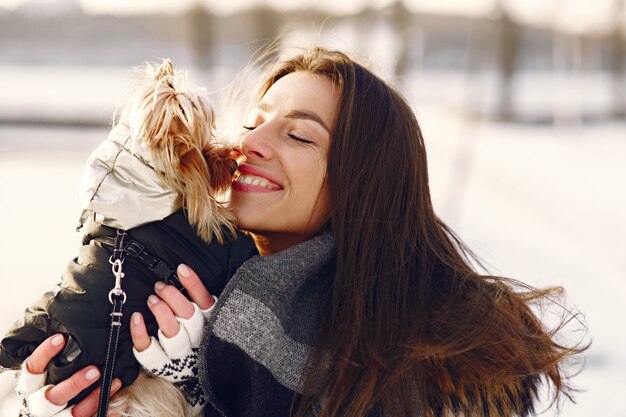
(299, 139)
(291, 135)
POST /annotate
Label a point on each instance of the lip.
(256, 171)
(245, 169)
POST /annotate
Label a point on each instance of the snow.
(541, 203)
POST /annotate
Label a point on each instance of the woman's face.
(280, 193)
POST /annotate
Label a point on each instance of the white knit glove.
(32, 393)
(175, 359)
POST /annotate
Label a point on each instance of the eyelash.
(291, 135)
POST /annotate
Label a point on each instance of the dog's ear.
(201, 176)
(221, 166)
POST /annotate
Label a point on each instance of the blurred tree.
(617, 42)
(201, 34)
(508, 50)
(363, 22)
(400, 19)
(478, 56)
(267, 25)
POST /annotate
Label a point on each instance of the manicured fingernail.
(183, 270)
(153, 299)
(159, 285)
(136, 319)
(93, 373)
(116, 384)
(57, 340)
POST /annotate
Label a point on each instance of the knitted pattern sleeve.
(175, 359)
(32, 392)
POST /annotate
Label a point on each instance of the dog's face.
(221, 166)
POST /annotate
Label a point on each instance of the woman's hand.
(174, 355)
(169, 305)
(51, 400)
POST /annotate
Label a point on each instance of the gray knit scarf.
(269, 311)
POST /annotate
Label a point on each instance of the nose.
(257, 143)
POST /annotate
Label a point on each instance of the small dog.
(159, 177)
(175, 124)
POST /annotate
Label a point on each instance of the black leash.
(117, 297)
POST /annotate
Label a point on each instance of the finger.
(180, 305)
(165, 318)
(139, 333)
(154, 357)
(193, 327)
(71, 387)
(194, 286)
(88, 406)
(38, 361)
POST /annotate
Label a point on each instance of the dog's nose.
(234, 167)
(236, 152)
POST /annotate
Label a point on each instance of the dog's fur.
(149, 397)
(176, 123)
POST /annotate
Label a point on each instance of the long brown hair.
(410, 326)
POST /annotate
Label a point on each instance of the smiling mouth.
(248, 179)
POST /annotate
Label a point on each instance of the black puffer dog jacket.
(79, 307)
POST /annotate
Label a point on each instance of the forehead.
(303, 91)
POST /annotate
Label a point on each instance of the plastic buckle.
(173, 280)
(134, 248)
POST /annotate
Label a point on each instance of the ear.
(221, 166)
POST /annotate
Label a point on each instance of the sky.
(575, 16)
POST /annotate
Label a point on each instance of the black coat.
(79, 307)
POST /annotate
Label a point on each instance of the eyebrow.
(297, 114)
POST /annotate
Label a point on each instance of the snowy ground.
(539, 203)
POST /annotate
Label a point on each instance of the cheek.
(322, 208)
(321, 194)
(315, 200)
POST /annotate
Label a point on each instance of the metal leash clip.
(117, 271)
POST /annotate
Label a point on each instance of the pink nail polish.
(92, 374)
(183, 270)
(57, 340)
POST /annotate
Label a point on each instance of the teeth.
(261, 182)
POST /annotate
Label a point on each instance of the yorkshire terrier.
(160, 177)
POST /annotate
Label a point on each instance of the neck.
(269, 243)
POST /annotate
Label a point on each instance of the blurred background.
(522, 105)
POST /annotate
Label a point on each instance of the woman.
(363, 302)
